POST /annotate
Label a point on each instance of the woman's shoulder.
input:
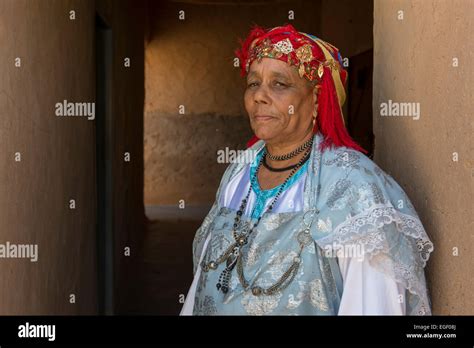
(349, 174)
(349, 163)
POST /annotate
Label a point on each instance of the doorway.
(103, 134)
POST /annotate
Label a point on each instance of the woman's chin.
(265, 133)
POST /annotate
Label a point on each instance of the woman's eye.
(276, 83)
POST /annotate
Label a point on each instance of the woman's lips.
(263, 117)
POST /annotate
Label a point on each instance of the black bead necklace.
(284, 169)
(293, 153)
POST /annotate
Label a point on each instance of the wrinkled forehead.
(276, 69)
(272, 67)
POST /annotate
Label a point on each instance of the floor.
(164, 268)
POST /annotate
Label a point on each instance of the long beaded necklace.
(233, 254)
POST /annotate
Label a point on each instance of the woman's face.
(279, 102)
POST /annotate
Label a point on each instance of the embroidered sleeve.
(365, 212)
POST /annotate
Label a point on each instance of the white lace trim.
(366, 230)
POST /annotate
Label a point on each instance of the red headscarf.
(315, 60)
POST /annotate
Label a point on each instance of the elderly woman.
(312, 226)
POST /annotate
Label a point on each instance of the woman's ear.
(315, 94)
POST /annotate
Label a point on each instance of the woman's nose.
(261, 95)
